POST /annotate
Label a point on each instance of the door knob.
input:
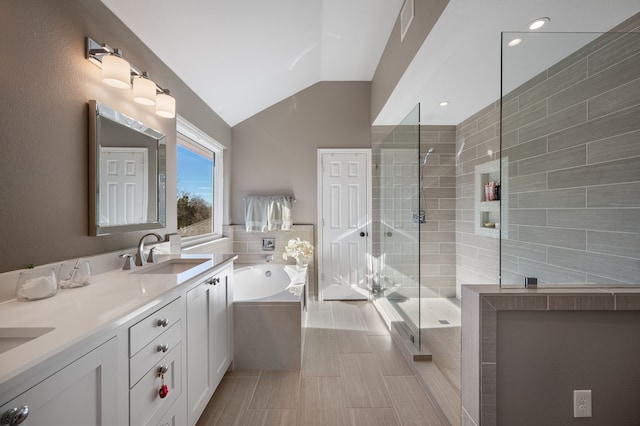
(364, 234)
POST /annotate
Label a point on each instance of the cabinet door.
(83, 393)
(220, 328)
(199, 356)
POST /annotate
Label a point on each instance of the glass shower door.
(398, 233)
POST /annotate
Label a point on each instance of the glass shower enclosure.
(396, 254)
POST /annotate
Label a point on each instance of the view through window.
(195, 171)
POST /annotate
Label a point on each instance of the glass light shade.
(116, 72)
(144, 91)
(165, 105)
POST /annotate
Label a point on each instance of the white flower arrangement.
(300, 250)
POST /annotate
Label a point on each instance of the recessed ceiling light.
(444, 103)
(538, 23)
(514, 42)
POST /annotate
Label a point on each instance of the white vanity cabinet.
(82, 393)
(209, 338)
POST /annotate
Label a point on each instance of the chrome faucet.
(269, 258)
(140, 260)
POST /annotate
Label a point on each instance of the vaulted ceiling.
(242, 56)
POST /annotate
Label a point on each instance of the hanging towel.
(279, 213)
(256, 213)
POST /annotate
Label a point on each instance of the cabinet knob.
(163, 348)
(162, 322)
(162, 369)
(14, 416)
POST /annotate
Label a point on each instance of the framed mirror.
(127, 172)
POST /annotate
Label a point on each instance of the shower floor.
(433, 312)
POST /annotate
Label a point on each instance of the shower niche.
(488, 200)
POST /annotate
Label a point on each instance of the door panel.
(344, 225)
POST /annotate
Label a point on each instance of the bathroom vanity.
(120, 350)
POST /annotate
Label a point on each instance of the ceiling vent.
(406, 17)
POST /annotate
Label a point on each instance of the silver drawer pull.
(14, 416)
(162, 369)
(163, 348)
(162, 322)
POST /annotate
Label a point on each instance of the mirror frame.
(157, 140)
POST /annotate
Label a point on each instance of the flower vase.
(301, 263)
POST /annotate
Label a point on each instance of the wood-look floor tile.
(229, 402)
(388, 357)
(373, 417)
(443, 392)
(320, 357)
(350, 341)
(270, 417)
(277, 389)
(364, 385)
(323, 402)
(320, 320)
(411, 403)
(347, 316)
(242, 373)
(372, 319)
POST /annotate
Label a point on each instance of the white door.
(343, 198)
(123, 191)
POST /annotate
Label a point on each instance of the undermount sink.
(11, 337)
(171, 266)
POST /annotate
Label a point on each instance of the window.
(198, 184)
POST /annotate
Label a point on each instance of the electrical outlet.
(582, 403)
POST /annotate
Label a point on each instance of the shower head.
(426, 156)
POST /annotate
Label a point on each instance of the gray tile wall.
(437, 234)
(477, 142)
(572, 139)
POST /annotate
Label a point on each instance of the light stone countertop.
(110, 300)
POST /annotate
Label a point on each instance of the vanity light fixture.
(539, 23)
(117, 72)
(444, 103)
(144, 90)
(165, 105)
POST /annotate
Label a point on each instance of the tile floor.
(352, 374)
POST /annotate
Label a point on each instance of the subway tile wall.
(437, 234)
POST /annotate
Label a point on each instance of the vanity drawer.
(152, 326)
(151, 354)
(144, 400)
(176, 416)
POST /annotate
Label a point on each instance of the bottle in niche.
(490, 191)
(496, 195)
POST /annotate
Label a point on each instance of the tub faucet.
(140, 260)
(269, 258)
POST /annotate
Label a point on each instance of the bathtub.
(268, 282)
(268, 308)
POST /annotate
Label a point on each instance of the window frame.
(187, 132)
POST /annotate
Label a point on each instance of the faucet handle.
(128, 261)
(152, 255)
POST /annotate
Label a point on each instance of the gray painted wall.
(275, 151)
(544, 356)
(46, 83)
(397, 54)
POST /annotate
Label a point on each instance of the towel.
(279, 213)
(256, 213)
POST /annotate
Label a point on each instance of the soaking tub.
(268, 309)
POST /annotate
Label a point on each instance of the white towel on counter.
(256, 213)
(279, 213)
